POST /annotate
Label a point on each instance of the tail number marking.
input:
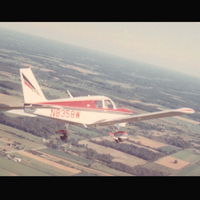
(64, 113)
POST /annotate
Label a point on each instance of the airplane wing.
(19, 110)
(146, 116)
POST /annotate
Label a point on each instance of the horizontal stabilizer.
(21, 112)
(6, 108)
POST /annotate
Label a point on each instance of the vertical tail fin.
(31, 89)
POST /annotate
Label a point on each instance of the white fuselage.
(85, 114)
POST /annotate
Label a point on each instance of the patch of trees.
(36, 126)
(148, 126)
(137, 170)
(132, 149)
(122, 167)
(177, 141)
(157, 127)
(142, 171)
(92, 154)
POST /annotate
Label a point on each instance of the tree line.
(132, 149)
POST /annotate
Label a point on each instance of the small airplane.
(87, 111)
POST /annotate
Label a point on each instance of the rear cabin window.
(108, 104)
(99, 104)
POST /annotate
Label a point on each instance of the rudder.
(31, 89)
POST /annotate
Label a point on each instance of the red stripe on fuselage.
(89, 104)
(82, 104)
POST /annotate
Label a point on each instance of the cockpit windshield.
(108, 104)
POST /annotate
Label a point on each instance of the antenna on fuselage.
(68, 92)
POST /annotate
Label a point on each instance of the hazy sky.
(173, 45)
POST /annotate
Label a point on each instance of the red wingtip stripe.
(187, 110)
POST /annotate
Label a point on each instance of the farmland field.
(27, 139)
(188, 155)
(118, 155)
(191, 170)
(66, 170)
(147, 142)
(172, 162)
(17, 169)
(10, 100)
(157, 167)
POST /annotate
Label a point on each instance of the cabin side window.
(99, 104)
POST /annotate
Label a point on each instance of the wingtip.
(186, 110)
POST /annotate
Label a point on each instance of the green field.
(83, 132)
(16, 133)
(68, 156)
(187, 155)
(191, 170)
(169, 149)
(42, 168)
(9, 167)
(28, 167)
